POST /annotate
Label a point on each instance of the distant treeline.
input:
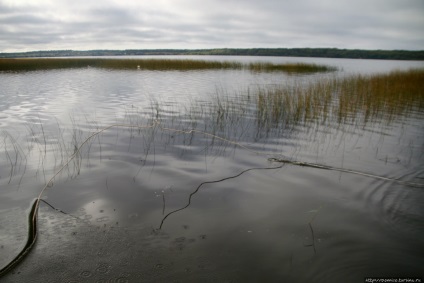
(291, 52)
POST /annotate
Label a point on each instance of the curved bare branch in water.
(32, 237)
(213, 182)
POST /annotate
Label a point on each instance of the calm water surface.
(158, 203)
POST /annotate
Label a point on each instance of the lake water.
(148, 200)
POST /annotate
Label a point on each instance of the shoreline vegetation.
(32, 64)
(288, 52)
(354, 100)
(347, 103)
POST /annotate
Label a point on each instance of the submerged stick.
(212, 182)
(326, 167)
(32, 237)
(32, 234)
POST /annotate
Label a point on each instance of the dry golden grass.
(382, 97)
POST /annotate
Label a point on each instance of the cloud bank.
(27, 25)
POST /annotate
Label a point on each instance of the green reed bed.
(290, 68)
(31, 64)
(356, 99)
(165, 64)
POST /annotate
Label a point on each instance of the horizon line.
(209, 49)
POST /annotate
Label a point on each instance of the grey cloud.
(114, 16)
(378, 24)
(24, 19)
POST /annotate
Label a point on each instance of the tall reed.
(381, 97)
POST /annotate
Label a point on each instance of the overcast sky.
(27, 25)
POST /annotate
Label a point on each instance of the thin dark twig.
(312, 232)
(212, 182)
(57, 209)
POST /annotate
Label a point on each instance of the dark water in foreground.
(154, 204)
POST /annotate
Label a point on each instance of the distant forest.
(290, 52)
